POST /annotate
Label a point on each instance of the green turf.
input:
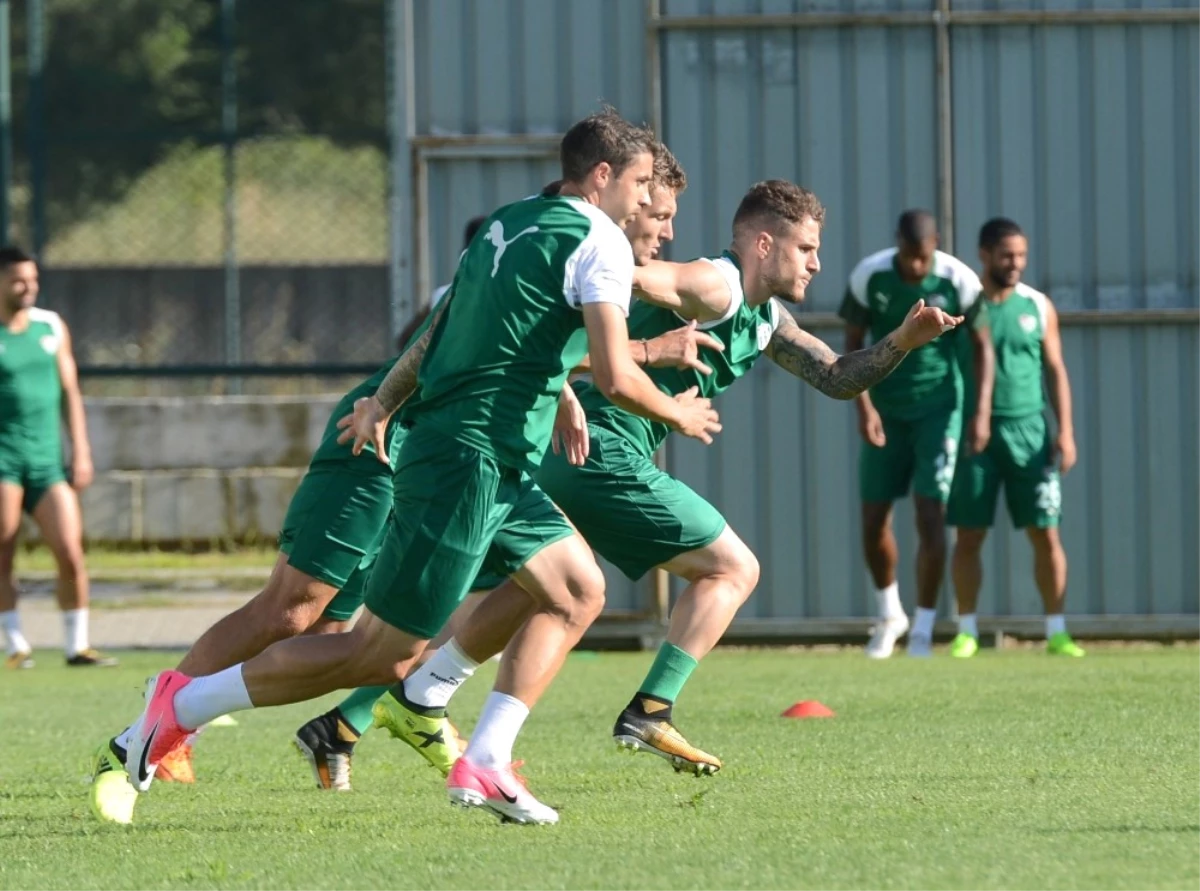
(1013, 770)
(102, 560)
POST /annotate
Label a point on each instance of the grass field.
(1013, 770)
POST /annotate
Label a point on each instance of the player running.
(1021, 455)
(39, 386)
(912, 421)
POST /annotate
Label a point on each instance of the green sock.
(670, 671)
(356, 708)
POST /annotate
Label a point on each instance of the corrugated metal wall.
(1087, 134)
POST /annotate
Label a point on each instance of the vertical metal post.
(6, 155)
(945, 117)
(400, 68)
(229, 114)
(35, 39)
(659, 595)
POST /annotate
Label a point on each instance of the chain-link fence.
(204, 182)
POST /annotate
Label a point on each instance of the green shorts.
(1018, 457)
(347, 601)
(919, 454)
(633, 514)
(456, 512)
(35, 477)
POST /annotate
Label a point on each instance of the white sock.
(210, 697)
(966, 625)
(492, 740)
(11, 623)
(75, 631)
(888, 600)
(923, 622)
(1056, 625)
(434, 683)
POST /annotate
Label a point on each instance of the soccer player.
(638, 516)
(406, 334)
(328, 740)
(1022, 455)
(38, 387)
(547, 277)
(911, 422)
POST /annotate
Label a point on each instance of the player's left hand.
(922, 324)
(681, 349)
(979, 433)
(82, 472)
(368, 423)
(570, 428)
(1063, 451)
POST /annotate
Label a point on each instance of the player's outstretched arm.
(846, 377)
(82, 471)
(696, 290)
(624, 384)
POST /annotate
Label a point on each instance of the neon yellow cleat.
(112, 796)
(963, 646)
(1061, 644)
(432, 736)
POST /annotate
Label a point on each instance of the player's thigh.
(563, 575)
(450, 501)
(727, 556)
(60, 522)
(885, 472)
(1032, 489)
(334, 519)
(974, 492)
(11, 497)
(630, 511)
(935, 439)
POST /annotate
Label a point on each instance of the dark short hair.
(996, 230)
(914, 226)
(11, 255)
(668, 172)
(776, 202)
(550, 190)
(602, 137)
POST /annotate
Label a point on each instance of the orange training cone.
(808, 708)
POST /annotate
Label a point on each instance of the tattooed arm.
(844, 377)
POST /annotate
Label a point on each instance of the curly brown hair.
(668, 172)
(775, 202)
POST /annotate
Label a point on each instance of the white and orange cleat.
(157, 731)
(502, 791)
(176, 766)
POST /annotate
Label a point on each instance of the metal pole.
(924, 19)
(36, 41)
(6, 157)
(229, 114)
(401, 125)
(945, 118)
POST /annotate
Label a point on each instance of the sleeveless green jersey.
(744, 330)
(30, 387)
(1018, 325)
(878, 299)
(514, 328)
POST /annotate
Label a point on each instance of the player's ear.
(603, 173)
(763, 243)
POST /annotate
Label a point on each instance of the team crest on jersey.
(1028, 323)
(49, 343)
(764, 335)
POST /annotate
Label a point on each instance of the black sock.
(646, 706)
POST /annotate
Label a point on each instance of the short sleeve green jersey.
(514, 328)
(1018, 326)
(30, 385)
(744, 330)
(878, 299)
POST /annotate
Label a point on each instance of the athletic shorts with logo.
(629, 511)
(918, 454)
(1018, 458)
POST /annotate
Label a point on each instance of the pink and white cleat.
(502, 791)
(157, 732)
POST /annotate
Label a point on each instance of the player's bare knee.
(71, 566)
(585, 587)
(1043, 540)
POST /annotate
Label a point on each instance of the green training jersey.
(744, 330)
(31, 388)
(514, 327)
(878, 299)
(1018, 325)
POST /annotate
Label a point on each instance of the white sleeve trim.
(1039, 299)
(867, 267)
(733, 279)
(963, 277)
(48, 317)
(600, 270)
(438, 294)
